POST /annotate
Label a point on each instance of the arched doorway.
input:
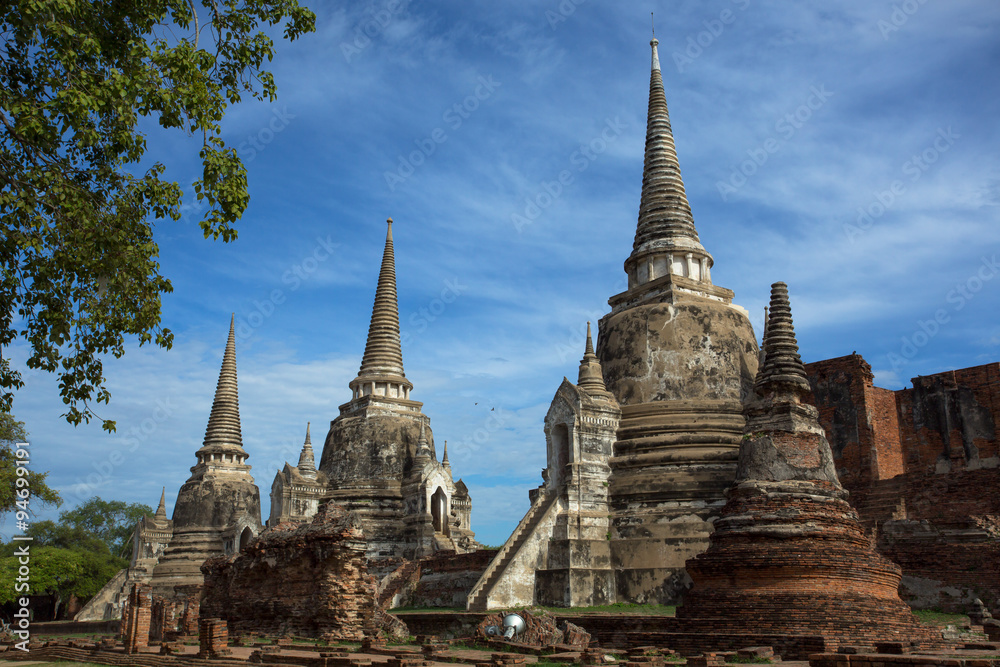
(439, 511)
(245, 537)
(559, 456)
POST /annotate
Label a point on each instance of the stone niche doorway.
(439, 511)
(560, 454)
(245, 538)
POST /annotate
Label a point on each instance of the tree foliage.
(12, 432)
(76, 555)
(79, 261)
(59, 573)
(97, 526)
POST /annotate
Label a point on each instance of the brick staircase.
(480, 592)
(884, 502)
(405, 575)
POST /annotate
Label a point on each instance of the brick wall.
(311, 580)
(839, 392)
(883, 660)
(922, 465)
(948, 420)
(177, 616)
(884, 418)
(446, 579)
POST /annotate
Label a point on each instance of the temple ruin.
(922, 465)
(678, 358)
(682, 456)
(788, 555)
(218, 508)
(379, 459)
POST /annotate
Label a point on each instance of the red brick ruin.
(921, 466)
(308, 580)
(136, 617)
(789, 554)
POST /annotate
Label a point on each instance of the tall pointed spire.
(223, 435)
(782, 370)
(444, 459)
(664, 211)
(161, 510)
(666, 241)
(307, 463)
(591, 377)
(382, 363)
(383, 354)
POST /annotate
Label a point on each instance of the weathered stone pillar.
(137, 617)
(213, 638)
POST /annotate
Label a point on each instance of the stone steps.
(397, 580)
(477, 601)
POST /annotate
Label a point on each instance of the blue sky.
(849, 149)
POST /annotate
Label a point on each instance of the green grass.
(938, 617)
(756, 660)
(619, 607)
(472, 647)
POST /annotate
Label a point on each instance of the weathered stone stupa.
(559, 554)
(680, 358)
(218, 508)
(379, 456)
(788, 555)
(297, 490)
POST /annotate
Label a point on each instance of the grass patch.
(938, 617)
(618, 607)
(755, 660)
(472, 647)
(418, 610)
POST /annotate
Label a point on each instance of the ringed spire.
(381, 371)
(307, 462)
(666, 241)
(223, 435)
(161, 509)
(782, 369)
